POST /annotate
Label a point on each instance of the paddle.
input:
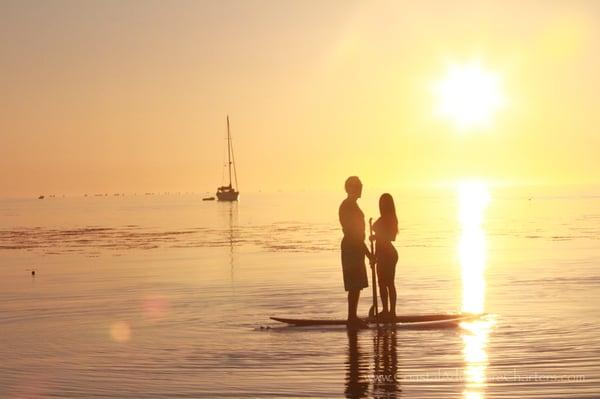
(373, 312)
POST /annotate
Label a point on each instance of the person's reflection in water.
(356, 369)
(386, 382)
(385, 377)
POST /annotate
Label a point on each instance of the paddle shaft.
(373, 272)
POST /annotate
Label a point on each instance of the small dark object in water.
(41, 197)
(208, 199)
(33, 272)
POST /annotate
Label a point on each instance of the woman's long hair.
(388, 214)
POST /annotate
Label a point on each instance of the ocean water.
(169, 296)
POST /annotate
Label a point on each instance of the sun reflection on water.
(473, 199)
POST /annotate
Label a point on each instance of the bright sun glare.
(469, 95)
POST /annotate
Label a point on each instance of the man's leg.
(353, 296)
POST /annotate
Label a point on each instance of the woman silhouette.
(385, 231)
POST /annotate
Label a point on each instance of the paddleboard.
(401, 320)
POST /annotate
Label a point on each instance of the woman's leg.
(392, 289)
(383, 292)
(392, 285)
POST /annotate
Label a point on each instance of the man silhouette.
(353, 248)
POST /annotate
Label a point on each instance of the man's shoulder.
(346, 203)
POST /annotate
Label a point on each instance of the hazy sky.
(126, 96)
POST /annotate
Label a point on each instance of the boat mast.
(229, 150)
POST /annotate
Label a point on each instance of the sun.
(469, 95)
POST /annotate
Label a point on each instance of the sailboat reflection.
(230, 216)
(473, 201)
(384, 373)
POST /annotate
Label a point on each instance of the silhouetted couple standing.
(354, 251)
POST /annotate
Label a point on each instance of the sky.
(132, 96)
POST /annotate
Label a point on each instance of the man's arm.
(368, 253)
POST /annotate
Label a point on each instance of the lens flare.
(155, 307)
(120, 331)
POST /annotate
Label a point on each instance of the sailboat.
(229, 193)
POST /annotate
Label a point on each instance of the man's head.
(353, 187)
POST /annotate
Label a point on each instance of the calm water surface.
(169, 296)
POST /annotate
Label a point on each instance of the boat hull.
(227, 195)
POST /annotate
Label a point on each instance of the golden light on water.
(475, 338)
(473, 199)
(469, 95)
